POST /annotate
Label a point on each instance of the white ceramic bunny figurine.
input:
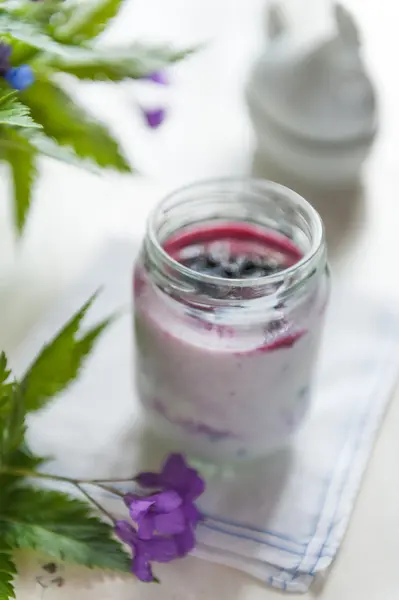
(313, 105)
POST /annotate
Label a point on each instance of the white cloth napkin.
(282, 521)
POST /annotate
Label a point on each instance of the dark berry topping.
(233, 267)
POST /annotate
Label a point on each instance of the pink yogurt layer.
(218, 391)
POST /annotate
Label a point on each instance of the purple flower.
(157, 77)
(163, 522)
(176, 475)
(154, 117)
(161, 513)
(158, 549)
(5, 53)
(20, 78)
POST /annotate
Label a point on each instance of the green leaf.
(18, 116)
(32, 36)
(7, 97)
(41, 12)
(12, 414)
(117, 64)
(60, 361)
(18, 462)
(22, 10)
(6, 388)
(13, 425)
(5, 372)
(70, 125)
(61, 527)
(88, 20)
(48, 147)
(23, 459)
(21, 156)
(7, 569)
(12, 112)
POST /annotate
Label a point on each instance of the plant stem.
(108, 488)
(96, 504)
(37, 475)
(77, 483)
(123, 480)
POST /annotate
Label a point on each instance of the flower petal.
(191, 512)
(149, 480)
(177, 475)
(154, 117)
(166, 501)
(141, 567)
(170, 523)
(195, 484)
(138, 505)
(185, 541)
(126, 533)
(145, 527)
(174, 465)
(159, 77)
(161, 549)
(174, 472)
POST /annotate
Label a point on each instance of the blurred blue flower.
(20, 78)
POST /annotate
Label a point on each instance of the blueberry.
(199, 264)
(249, 268)
(212, 261)
(230, 271)
(232, 267)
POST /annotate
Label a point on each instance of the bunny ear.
(347, 27)
(276, 24)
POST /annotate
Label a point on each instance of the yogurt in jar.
(225, 353)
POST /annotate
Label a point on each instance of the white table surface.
(208, 135)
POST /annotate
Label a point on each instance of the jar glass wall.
(230, 288)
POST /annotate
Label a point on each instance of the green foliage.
(13, 425)
(60, 361)
(8, 569)
(23, 459)
(70, 125)
(88, 20)
(117, 64)
(48, 147)
(13, 113)
(21, 156)
(40, 519)
(56, 37)
(63, 528)
(12, 413)
(5, 384)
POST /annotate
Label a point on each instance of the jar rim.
(261, 187)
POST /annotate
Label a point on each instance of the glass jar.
(230, 289)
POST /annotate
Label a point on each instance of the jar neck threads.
(248, 212)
